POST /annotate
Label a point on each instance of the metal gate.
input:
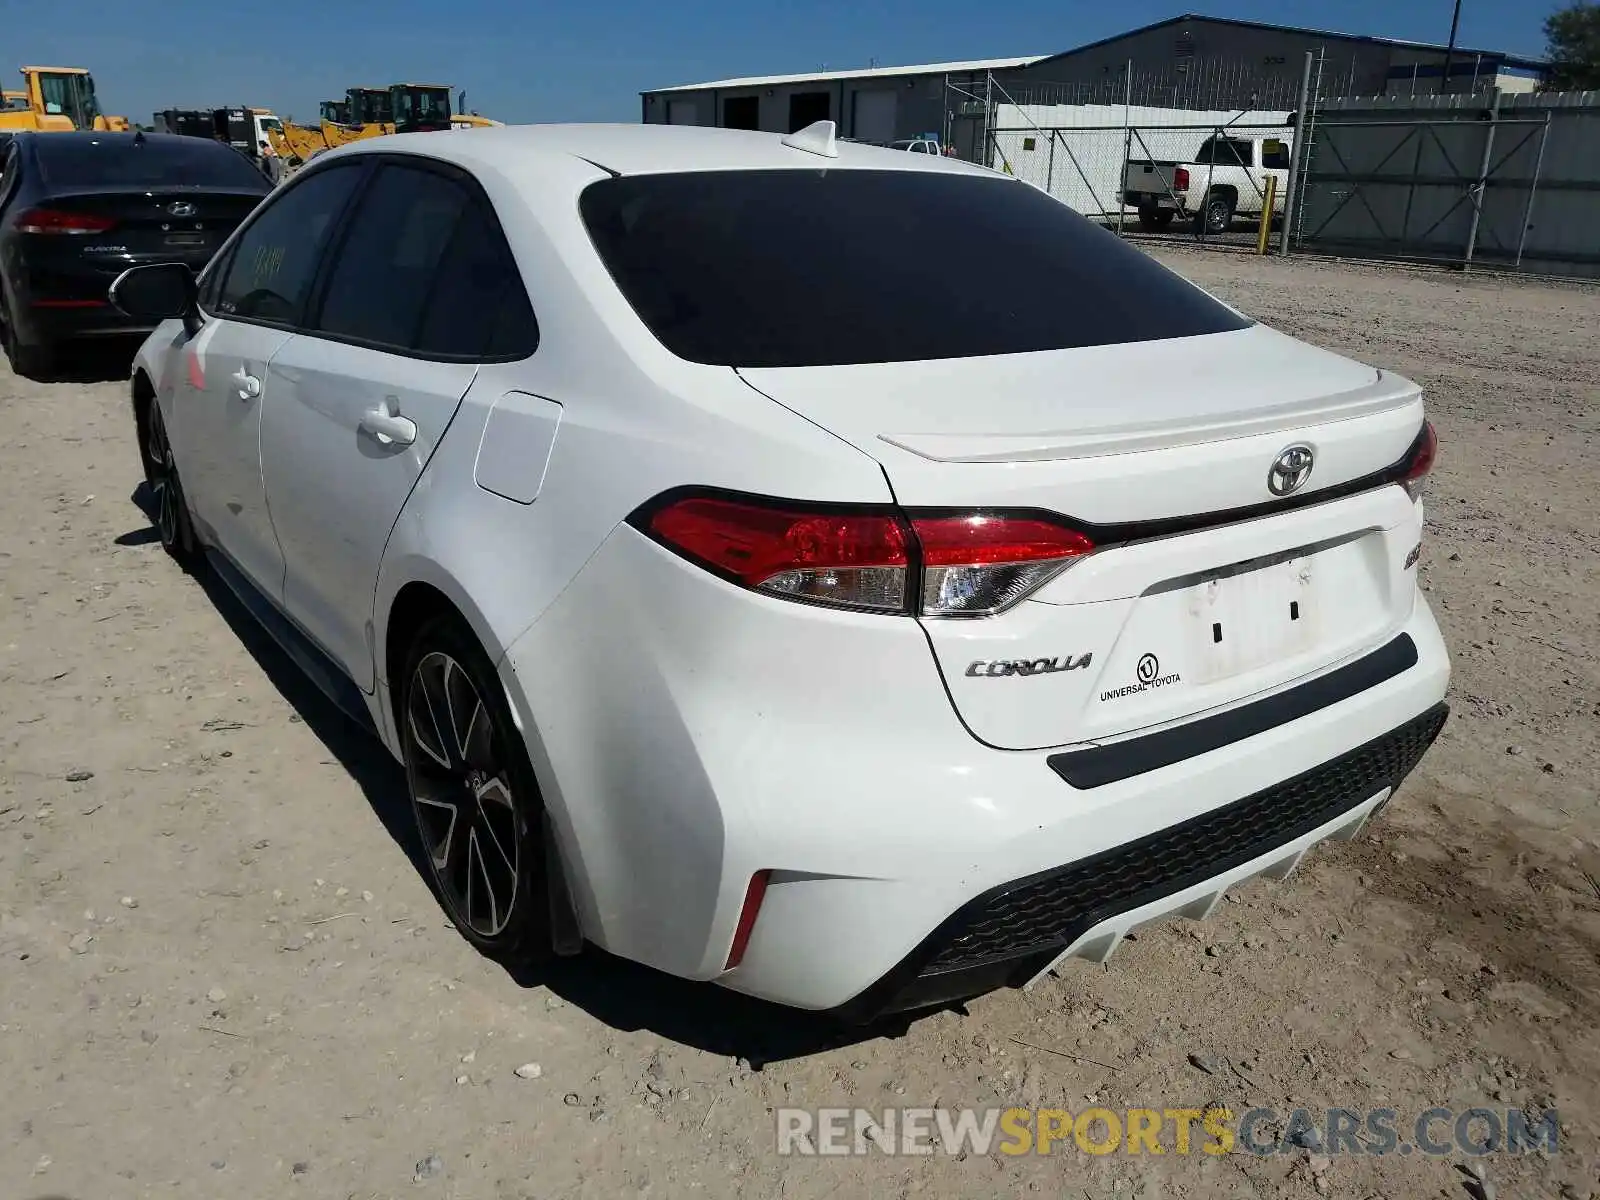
(1452, 189)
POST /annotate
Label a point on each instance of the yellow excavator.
(57, 99)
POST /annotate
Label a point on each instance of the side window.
(384, 272)
(276, 258)
(478, 307)
(9, 172)
(1275, 155)
(210, 281)
(1224, 152)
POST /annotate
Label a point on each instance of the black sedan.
(78, 209)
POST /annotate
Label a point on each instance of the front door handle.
(388, 426)
(248, 385)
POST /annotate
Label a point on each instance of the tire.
(1216, 215)
(1153, 219)
(464, 757)
(172, 519)
(36, 361)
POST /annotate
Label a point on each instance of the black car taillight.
(52, 220)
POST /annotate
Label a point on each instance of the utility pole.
(1450, 51)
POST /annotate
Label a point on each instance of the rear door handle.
(388, 426)
(248, 385)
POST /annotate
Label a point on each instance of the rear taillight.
(1420, 459)
(943, 565)
(1180, 179)
(975, 565)
(848, 559)
(51, 220)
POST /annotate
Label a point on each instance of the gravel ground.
(223, 976)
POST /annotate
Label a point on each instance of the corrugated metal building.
(1190, 61)
(1217, 62)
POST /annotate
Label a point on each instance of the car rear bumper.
(60, 322)
(1150, 200)
(1015, 932)
(689, 735)
(57, 297)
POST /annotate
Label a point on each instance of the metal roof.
(1003, 64)
(1200, 18)
(946, 68)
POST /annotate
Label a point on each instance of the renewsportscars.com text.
(1157, 1131)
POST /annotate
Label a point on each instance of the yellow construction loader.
(462, 119)
(57, 99)
(364, 112)
(425, 107)
(420, 107)
(374, 112)
(297, 143)
(369, 113)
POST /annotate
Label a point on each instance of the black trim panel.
(326, 674)
(1100, 765)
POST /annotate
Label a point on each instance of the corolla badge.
(1000, 668)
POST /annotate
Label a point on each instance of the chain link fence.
(1481, 178)
(1197, 148)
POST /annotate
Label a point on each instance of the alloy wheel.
(466, 812)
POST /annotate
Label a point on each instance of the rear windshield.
(796, 268)
(67, 161)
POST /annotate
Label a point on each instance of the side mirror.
(158, 292)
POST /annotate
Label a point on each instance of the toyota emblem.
(1290, 470)
(181, 208)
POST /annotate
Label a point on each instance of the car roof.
(643, 150)
(44, 137)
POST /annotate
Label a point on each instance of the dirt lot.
(222, 977)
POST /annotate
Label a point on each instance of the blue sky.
(589, 61)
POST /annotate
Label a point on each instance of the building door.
(874, 117)
(806, 108)
(683, 112)
(741, 112)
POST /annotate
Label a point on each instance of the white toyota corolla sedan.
(847, 576)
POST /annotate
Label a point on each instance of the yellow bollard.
(1266, 214)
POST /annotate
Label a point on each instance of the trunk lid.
(1149, 447)
(165, 225)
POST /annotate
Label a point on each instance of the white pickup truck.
(1228, 179)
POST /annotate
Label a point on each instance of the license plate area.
(1251, 615)
(185, 239)
(1208, 639)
